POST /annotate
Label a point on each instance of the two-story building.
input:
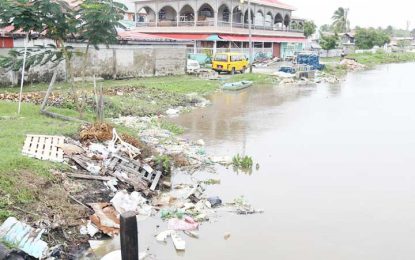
(212, 26)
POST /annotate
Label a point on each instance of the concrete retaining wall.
(115, 62)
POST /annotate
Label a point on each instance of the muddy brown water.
(336, 176)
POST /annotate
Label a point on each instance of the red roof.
(137, 36)
(261, 38)
(184, 36)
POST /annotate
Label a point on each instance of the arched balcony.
(167, 16)
(206, 16)
(278, 22)
(269, 21)
(237, 17)
(224, 16)
(146, 17)
(287, 21)
(186, 16)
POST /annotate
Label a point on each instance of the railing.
(146, 24)
(205, 23)
(227, 24)
(186, 23)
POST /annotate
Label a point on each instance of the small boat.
(237, 85)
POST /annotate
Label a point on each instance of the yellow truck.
(230, 62)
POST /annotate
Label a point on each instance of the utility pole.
(251, 60)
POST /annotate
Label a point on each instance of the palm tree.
(341, 21)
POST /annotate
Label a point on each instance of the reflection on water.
(337, 171)
(226, 118)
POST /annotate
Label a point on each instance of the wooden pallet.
(44, 147)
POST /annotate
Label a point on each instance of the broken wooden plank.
(89, 177)
(155, 181)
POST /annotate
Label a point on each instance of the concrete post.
(157, 13)
(231, 14)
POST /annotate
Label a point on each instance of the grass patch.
(255, 77)
(178, 84)
(13, 165)
(335, 69)
(372, 59)
(172, 127)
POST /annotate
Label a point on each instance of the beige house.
(222, 25)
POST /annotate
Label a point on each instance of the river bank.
(21, 177)
(370, 60)
(36, 192)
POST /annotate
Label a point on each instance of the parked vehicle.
(230, 62)
(192, 66)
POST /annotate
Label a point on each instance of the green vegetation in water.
(211, 182)
(243, 162)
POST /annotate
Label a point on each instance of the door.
(276, 49)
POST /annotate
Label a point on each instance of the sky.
(364, 13)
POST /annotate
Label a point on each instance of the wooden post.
(129, 236)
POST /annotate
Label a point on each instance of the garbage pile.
(352, 65)
(191, 155)
(33, 97)
(135, 182)
(312, 60)
(263, 62)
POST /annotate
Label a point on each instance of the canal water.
(336, 173)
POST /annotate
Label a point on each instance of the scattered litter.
(352, 65)
(116, 255)
(196, 193)
(227, 236)
(162, 236)
(172, 112)
(193, 234)
(24, 237)
(105, 218)
(89, 229)
(70, 149)
(188, 223)
(214, 201)
(244, 208)
(178, 242)
(171, 213)
(200, 142)
(124, 202)
(96, 132)
(44, 147)
(225, 160)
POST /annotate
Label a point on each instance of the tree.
(100, 20)
(326, 28)
(309, 28)
(328, 42)
(413, 33)
(368, 38)
(93, 21)
(341, 23)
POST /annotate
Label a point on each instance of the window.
(221, 57)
